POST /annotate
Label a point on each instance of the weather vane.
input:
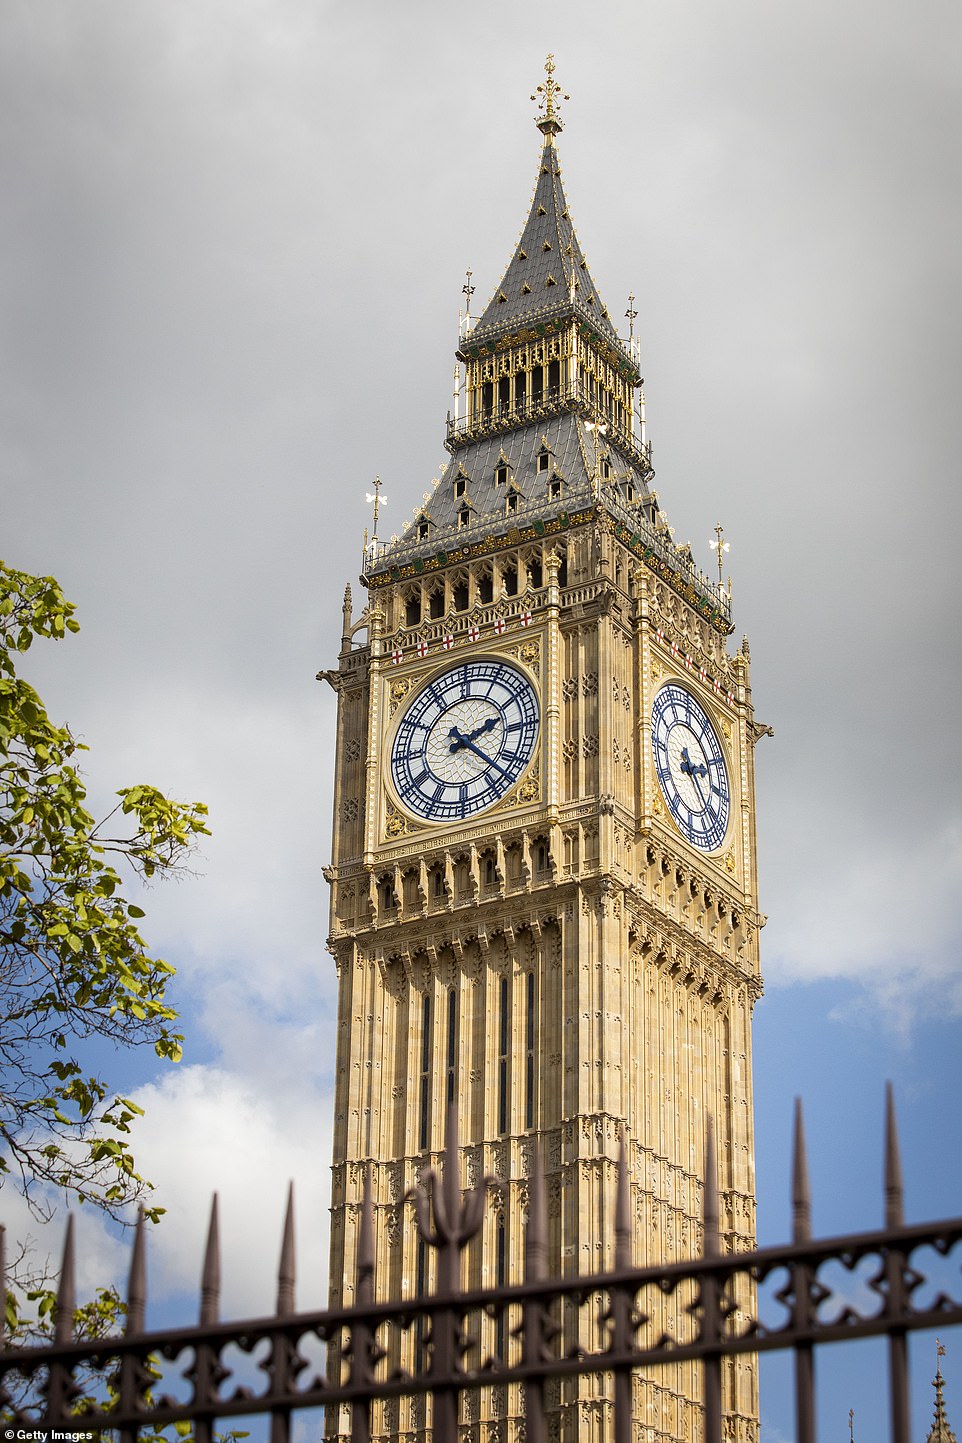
(721, 546)
(467, 290)
(550, 91)
(632, 316)
(378, 500)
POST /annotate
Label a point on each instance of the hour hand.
(686, 766)
(487, 726)
(458, 741)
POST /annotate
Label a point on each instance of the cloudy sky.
(234, 235)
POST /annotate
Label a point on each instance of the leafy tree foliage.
(73, 965)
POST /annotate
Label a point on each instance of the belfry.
(544, 906)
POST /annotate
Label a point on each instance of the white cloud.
(873, 909)
(208, 1130)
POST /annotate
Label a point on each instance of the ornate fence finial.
(210, 1278)
(801, 1194)
(66, 1306)
(622, 1208)
(137, 1280)
(364, 1287)
(456, 1220)
(536, 1233)
(710, 1208)
(893, 1165)
(286, 1267)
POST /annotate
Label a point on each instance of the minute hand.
(489, 761)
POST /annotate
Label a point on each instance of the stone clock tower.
(544, 905)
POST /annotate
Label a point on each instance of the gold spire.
(550, 122)
(940, 1431)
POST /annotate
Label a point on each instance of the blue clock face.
(464, 740)
(691, 767)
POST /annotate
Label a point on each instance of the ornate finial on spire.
(378, 500)
(632, 315)
(550, 122)
(467, 291)
(721, 546)
(940, 1431)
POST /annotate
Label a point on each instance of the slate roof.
(572, 460)
(547, 274)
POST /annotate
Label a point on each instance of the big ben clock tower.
(544, 906)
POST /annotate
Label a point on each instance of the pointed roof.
(940, 1431)
(547, 275)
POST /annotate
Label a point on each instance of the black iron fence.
(432, 1349)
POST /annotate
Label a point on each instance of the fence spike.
(286, 1269)
(364, 1293)
(66, 1290)
(451, 1187)
(137, 1280)
(710, 1211)
(893, 1165)
(210, 1278)
(536, 1233)
(622, 1209)
(801, 1192)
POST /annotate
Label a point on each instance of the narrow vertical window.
(425, 1069)
(452, 1041)
(529, 1054)
(503, 1059)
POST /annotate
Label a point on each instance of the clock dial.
(691, 767)
(464, 740)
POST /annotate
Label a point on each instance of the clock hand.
(459, 741)
(487, 726)
(692, 771)
(489, 761)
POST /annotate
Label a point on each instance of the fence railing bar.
(621, 1301)
(66, 1305)
(60, 1388)
(942, 1236)
(710, 1299)
(803, 1305)
(449, 1224)
(132, 1369)
(207, 1372)
(533, 1338)
(362, 1349)
(286, 1269)
(210, 1277)
(283, 1371)
(137, 1281)
(897, 1284)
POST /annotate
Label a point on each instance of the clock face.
(464, 740)
(691, 767)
